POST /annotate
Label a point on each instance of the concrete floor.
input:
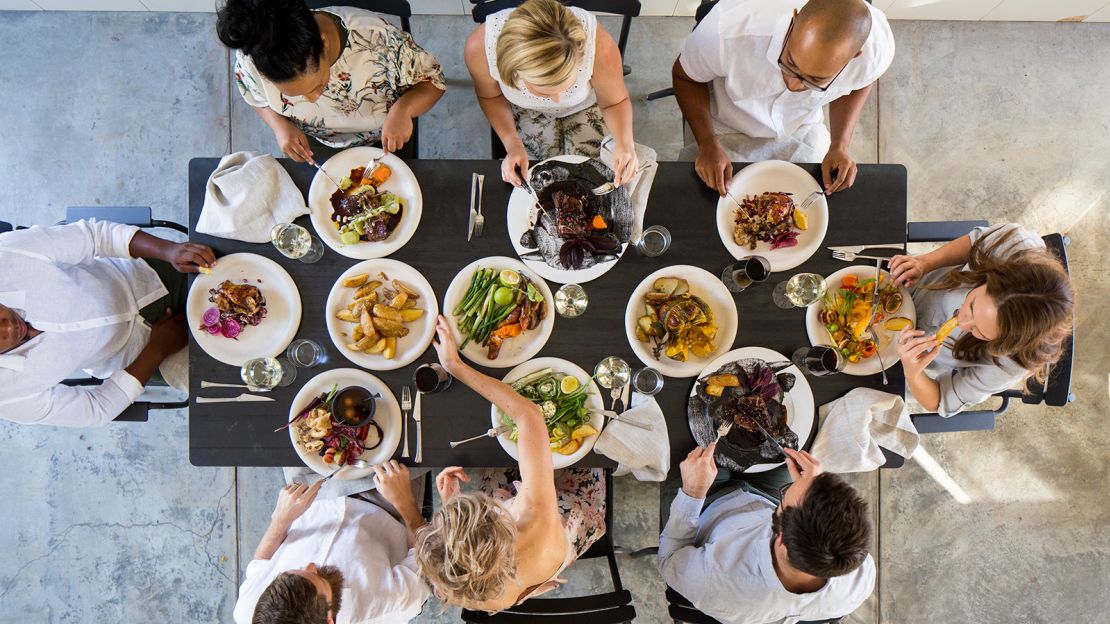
(995, 120)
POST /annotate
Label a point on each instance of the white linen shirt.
(736, 49)
(721, 562)
(371, 550)
(963, 382)
(77, 284)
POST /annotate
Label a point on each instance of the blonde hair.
(467, 552)
(541, 42)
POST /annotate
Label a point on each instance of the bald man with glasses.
(754, 76)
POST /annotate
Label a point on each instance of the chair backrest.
(6, 227)
(130, 215)
(627, 9)
(613, 607)
(399, 8)
(703, 9)
(682, 610)
(1056, 389)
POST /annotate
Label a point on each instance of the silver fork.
(808, 201)
(609, 187)
(849, 256)
(722, 430)
(480, 220)
(373, 164)
(406, 405)
(492, 433)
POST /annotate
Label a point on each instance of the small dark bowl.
(354, 406)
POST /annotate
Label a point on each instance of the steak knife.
(858, 248)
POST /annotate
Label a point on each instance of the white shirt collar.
(778, 36)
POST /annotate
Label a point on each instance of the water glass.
(745, 272)
(571, 300)
(294, 241)
(431, 378)
(306, 353)
(647, 381)
(654, 241)
(801, 290)
(264, 374)
(819, 360)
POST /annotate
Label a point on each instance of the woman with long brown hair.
(1012, 304)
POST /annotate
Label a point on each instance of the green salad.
(562, 400)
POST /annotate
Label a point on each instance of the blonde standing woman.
(488, 550)
(553, 74)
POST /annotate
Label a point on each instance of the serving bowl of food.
(751, 387)
(678, 318)
(372, 213)
(761, 215)
(564, 232)
(845, 319)
(247, 307)
(569, 400)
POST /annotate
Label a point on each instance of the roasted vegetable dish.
(318, 431)
(237, 306)
(362, 211)
(770, 218)
(379, 313)
(749, 392)
(676, 321)
(846, 313)
(497, 306)
(562, 400)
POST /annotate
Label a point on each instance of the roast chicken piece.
(238, 298)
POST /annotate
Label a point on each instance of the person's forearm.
(411, 516)
(145, 364)
(270, 117)
(144, 245)
(844, 112)
(925, 390)
(954, 253)
(618, 118)
(693, 99)
(419, 99)
(271, 541)
(500, 116)
(497, 392)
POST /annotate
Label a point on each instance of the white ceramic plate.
(559, 365)
(514, 350)
(774, 176)
(818, 335)
(283, 304)
(704, 285)
(520, 207)
(387, 414)
(421, 330)
(401, 183)
(798, 402)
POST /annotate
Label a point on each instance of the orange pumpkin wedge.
(946, 329)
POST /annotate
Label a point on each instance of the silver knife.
(619, 418)
(772, 439)
(419, 433)
(213, 384)
(874, 312)
(856, 256)
(241, 398)
(473, 212)
(859, 248)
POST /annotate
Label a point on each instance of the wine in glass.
(819, 360)
(801, 290)
(746, 272)
(612, 373)
(263, 374)
(571, 300)
(294, 241)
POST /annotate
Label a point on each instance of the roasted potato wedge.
(357, 334)
(387, 312)
(713, 390)
(399, 300)
(388, 328)
(725, 381)
(367, 323)
(666, 285)
(365, 290)
(346, 315)
(411, 314)
(356, 280)
(405, 288)
(376, 347)
(390, 349)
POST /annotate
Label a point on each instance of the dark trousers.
(176, 283)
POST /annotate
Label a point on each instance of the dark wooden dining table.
(242, 434)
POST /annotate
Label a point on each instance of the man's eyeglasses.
(789, 71)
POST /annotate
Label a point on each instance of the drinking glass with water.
(801, 290)
(306, 353)
(294, 241)
(746, 272)
(263, 374)
(654, 241)
(819, 360)
(647, 381)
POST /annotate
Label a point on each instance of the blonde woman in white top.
(551, 81)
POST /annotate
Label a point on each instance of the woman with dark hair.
(342, 75)
(1008, 304)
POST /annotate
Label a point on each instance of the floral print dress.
(378, 64)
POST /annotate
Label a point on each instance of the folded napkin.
(246, 196)
(341, 487)
(640, 186)
(645, 454)
(854, 426)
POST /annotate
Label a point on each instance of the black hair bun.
(247, 24)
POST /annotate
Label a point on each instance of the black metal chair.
(627, 9)
(613, 607)
(682, 610)
(403, 11)
(131, 215)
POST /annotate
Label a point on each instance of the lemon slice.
(510, 277)
(800, 220)
(569, 384)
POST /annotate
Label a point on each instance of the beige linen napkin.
(645, 454)
(855, 426)
(640, 186)
(246, 196)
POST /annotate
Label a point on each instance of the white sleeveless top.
(578, 97)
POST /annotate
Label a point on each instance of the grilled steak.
(570, 215)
